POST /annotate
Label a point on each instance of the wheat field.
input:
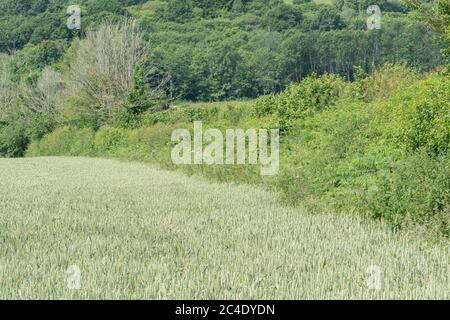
(136, 232)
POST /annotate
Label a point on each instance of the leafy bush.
(149, 144)
(371, 159)
(200, 114)
(311, 95)
(336, 154)
(167, 117)
(265, 106)
(13, 140)
(66, 141)
(415, 190)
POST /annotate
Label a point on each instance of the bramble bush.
(418, 116)
(415, 191)
(67, 141)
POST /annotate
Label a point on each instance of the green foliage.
(69, 141)
(136, 229)
(324, 159)
(418, 116)
(138, 101)
(99, 6)
(38, 124)
(328, 18)
(176, 10)
(215, 50)
(200, 114)
(414, 191)
(283, 17)
(108, 139)
(165, 117)
(39, 20)
(384, 81)
(140, 98)
(387, 158)
(33, 58)
(222, 50)
(271, 44)
(13, 140)
(206, 112)
(17, 130)
(313, 94)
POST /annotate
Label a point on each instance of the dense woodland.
(364, 114)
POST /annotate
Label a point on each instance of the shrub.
(167, 117)
(312, 95)
(200, 114)
(265, 106)
(40, 124)
(83, 144)
(108, 70)
(324, 160)
(150, 143)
